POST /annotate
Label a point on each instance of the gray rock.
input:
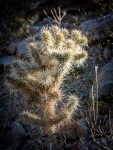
(35, 29)
(22, 50)
(46, 20)
(98, 28)
(105, 81)
(82, 123)
(34, 5)
(16, 133)
(18, 128)
(6, 61)
(11, 48)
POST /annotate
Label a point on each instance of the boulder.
(97, 29)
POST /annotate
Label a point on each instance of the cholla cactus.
(40, 78)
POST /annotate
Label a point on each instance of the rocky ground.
(79, 134)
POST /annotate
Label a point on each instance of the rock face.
(98, 28)
(105, 81)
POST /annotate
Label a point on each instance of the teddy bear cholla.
(39, 79)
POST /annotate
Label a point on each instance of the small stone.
(22, 50)
(84, 79)
(17, 128)
(46, 20)
(6, 61)
(39, 141)
(16, 133)
(35, 29)
(11, 48)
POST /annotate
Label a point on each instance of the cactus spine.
(40, 78)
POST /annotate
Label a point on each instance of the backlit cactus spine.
(40, 78)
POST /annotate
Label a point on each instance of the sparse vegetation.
(100, 129)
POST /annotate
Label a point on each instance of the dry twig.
(57, 17)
